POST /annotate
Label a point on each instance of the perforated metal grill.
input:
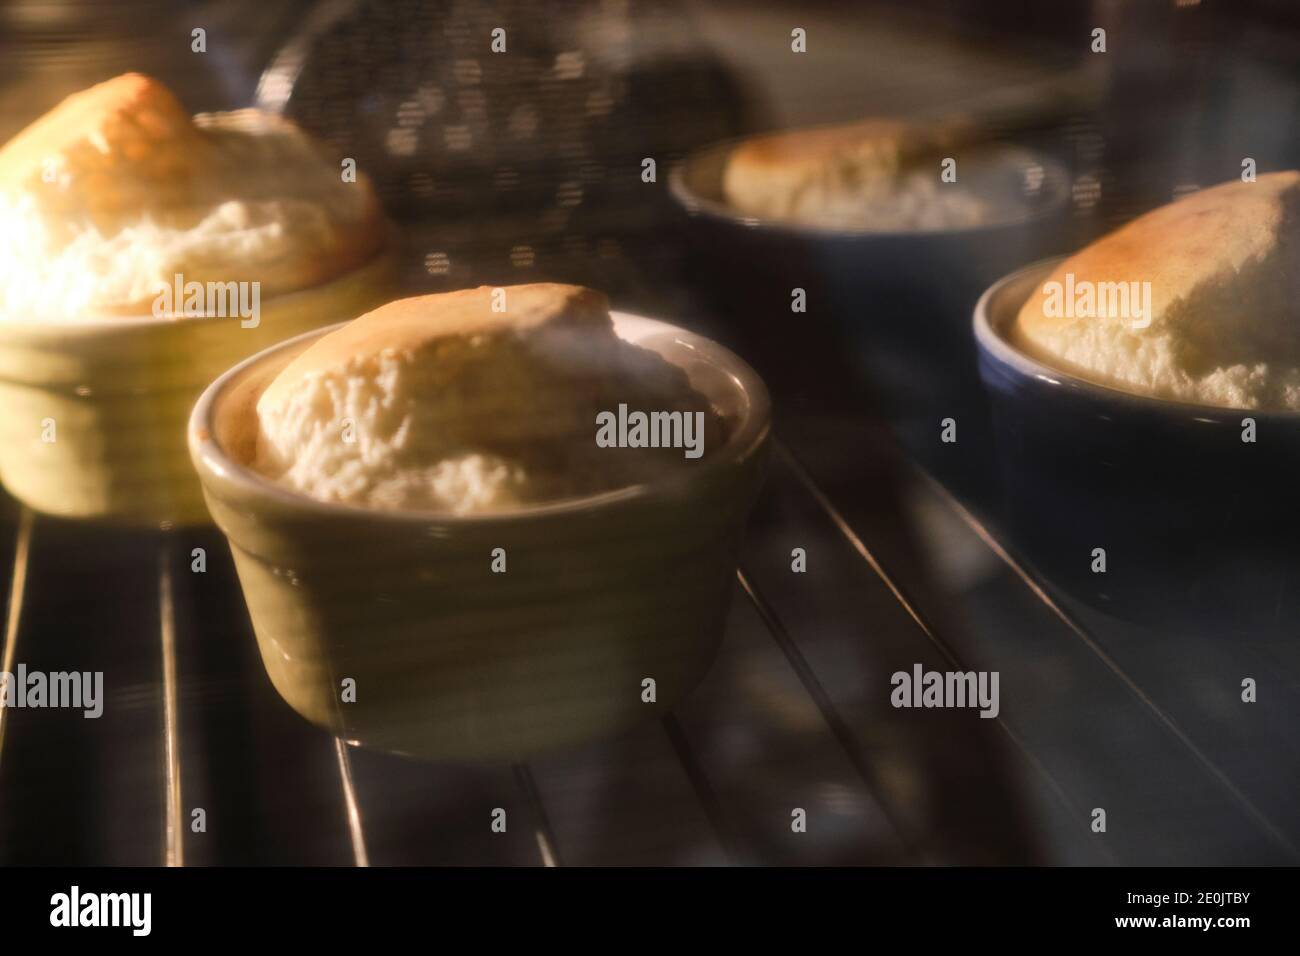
(509, 140)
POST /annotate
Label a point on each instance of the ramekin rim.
(110, 324)
(206, 453)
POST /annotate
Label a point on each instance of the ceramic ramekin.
(93, 413)
(452, 659)
(894, 305)
(1199, 527)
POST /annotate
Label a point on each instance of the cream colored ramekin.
(93, 412)
(445, 657)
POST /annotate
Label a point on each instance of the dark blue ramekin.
(1199, 528)
(894, 305)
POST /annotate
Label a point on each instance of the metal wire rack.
(790, 717)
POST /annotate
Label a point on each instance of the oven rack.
(793, 715)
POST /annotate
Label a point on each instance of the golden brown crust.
(815, 145)
(808, 175)
(118, 142)
(415, 323)
(1198, 249)
(121, 173)
(1216, 283)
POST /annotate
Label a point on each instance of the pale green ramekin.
(119, 392)
(450, 659)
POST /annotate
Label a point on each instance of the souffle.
(481, 400)
(875, 175)
(117, 191)
(1197, 301)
